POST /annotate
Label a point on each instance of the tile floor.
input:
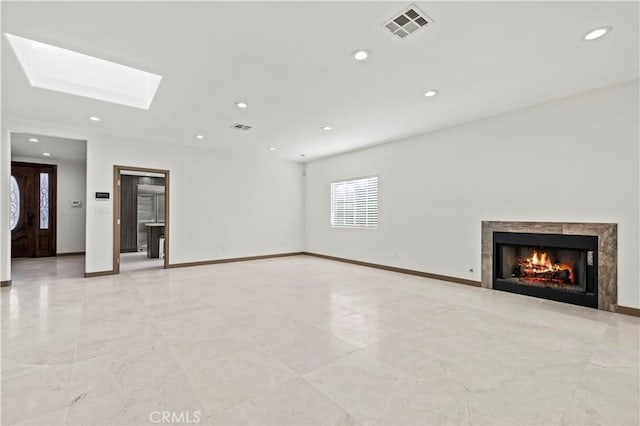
(137, 261)
(303, 341)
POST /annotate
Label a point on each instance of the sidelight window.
(44, 200)
(14, 209)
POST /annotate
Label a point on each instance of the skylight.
(54, 68)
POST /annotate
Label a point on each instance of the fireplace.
(595, 274)
(551, 266)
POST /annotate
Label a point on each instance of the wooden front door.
(33, 206)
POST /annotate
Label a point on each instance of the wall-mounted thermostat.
(104, 196)
(76, 204)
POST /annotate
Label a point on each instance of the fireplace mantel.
(607, 234)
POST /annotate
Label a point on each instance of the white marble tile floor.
(304, 341)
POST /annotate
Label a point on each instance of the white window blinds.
(354, 203)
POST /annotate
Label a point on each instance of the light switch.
(76, 204)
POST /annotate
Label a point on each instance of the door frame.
(116, 211)
(53, 205)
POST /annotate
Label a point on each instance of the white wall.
(574, 159)
(222, 205)
(5, 174)
(70, 221)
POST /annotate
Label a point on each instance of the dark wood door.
(33, 207)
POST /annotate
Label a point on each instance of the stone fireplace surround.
(607, 234)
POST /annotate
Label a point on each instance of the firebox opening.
(551, 266)
(562, 269)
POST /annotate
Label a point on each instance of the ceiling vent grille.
(407, 22)
(239, 126)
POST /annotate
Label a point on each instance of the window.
(354, 203)
(44, 200)
(14, 210)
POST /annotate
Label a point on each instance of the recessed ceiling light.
(272, 149)
(33, 140)
(327, 128)
(94, 118)
(360, 54)
(431, 93)
(46, 154)
(596, 33)
(54, 68)
(198, 136)
(242, 104)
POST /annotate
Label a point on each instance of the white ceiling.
(59, 148)
(291, 61)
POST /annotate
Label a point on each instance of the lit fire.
(540, 266)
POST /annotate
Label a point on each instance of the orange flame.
(540, 263)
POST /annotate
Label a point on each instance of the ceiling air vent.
(239, 126)
(407, 22)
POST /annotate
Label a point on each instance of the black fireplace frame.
(579, 242)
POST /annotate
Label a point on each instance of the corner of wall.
(5, 175)
(303, 208)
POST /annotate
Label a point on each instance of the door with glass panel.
(32, 210)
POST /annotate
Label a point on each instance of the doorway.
(47, 207)
(141, 219)
(33, 209)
